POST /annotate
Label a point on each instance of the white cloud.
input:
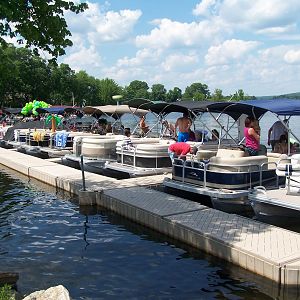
(205, 8)
(143, 57)
(292, 57)
(84, 59)
(228, 51)
(170, 33)
(262, 73)
(260, 14)
(103, 26)
(180, 62)
(278, 30)
(220, 48)
(114, 26)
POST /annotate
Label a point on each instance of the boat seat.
(214, 145)
(205, 154)
(230, 153)
(240, 164)
(289, 166)
(275, 158)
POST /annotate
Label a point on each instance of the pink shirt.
(251, 141)
(180, 148)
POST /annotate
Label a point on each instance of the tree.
(240, 94)
(196, 91)
(158, 92)
(23, 77)
(62, 84)
(136, 89)
(38, 24)
(85, 89)
(34, 74)
(217, 95)
(9, 75)
(174, 95)
(108, 88)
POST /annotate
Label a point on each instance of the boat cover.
(9, 110)
(115, 111)
(58, 110)
(164, 108)
(255, 108)
(258, 107)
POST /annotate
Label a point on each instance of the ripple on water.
(103, 256)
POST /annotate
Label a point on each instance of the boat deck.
(279, 197)
(136, 171)
(264, 249)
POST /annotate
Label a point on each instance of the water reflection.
(97, 254)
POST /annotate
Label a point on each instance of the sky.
(252, 45)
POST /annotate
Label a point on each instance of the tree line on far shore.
(25, 77)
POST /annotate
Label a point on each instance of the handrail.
(134, 157)
(205, 166)
(261, 169)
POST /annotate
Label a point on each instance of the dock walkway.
(267, 250)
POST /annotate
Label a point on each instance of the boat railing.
(204, 165)
(133, 151)
(287, 168)
(263, 167)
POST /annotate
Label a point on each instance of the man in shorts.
(183, 124)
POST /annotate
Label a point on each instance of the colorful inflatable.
(30, 107)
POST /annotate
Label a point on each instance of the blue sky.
(226, 44)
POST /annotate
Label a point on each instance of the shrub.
(6, 293)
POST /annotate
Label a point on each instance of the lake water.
(97, 254)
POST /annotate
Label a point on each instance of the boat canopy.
(58, 110)
(115, 111)
(9, 110)
(164, 108)
(257, 107)
(280, 106)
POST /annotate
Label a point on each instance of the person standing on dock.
(183, 124)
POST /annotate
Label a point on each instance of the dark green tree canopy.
(136, 89)
(25, 77)
(38, 24)
(158, 92)
(174, 95)
(197, 91)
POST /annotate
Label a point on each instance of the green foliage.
(136, 89)
(158, 92)
(38, 24)
(6, 293)
(291, 96)
(217, 95)
(62, 81)
(238, 96)
(196, 91)
(108, 88)
(25, 77)
(174, 95)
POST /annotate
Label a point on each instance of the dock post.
(86, 197)
(82, 171)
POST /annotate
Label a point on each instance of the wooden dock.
(264, 249)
